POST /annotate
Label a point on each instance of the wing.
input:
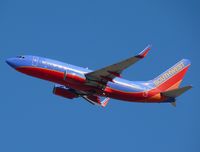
(102, 76)
(96, 100)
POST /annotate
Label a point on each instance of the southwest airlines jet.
(97, 87)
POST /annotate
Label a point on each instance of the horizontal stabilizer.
(173, 103)
(176, 92)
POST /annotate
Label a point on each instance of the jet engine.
(63, 91)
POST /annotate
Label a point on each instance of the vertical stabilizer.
(172, 78)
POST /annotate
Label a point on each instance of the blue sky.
(94, 34)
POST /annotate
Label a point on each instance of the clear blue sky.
(94, 34)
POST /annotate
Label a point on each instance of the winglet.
(105, 102)
(144, 52)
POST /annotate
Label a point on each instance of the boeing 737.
(97, 87)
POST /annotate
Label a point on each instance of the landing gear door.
(35, 61)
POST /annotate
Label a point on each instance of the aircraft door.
(35, 61)
(145, 93)
(65, 75)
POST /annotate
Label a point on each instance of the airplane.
(97, 87)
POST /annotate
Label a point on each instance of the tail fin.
(172, 78)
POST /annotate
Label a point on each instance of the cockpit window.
(20, 56)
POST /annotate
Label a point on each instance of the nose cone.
(11, 62)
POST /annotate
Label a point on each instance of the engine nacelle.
(63, 91)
